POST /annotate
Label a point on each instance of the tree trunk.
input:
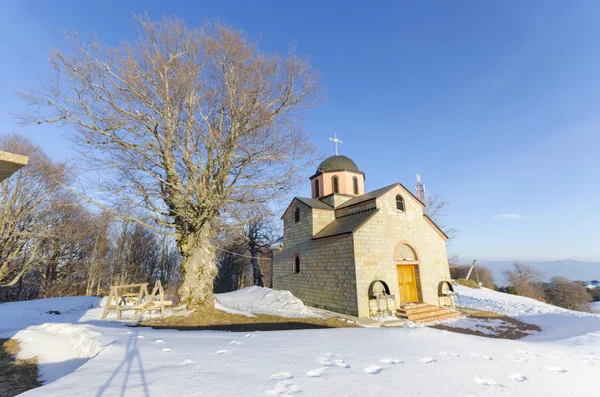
(198, 268)
(256, 274)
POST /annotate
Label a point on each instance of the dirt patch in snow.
(209, 318)
(489, 325)
(16, 375)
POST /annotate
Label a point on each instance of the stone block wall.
(375, 242)
(327, 278)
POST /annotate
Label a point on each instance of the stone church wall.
(327, 278)
(375, 242)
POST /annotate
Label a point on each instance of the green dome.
(337, 163)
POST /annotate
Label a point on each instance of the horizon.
(502, 124)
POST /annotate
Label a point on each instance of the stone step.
(431, 313)
(414, 310)
(449, 315)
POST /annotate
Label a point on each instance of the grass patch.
(511, 328)
(16, 375)
(209, 318)
(467, 283)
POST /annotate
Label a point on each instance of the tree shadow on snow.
(132, 363)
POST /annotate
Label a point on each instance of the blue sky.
(495, 104)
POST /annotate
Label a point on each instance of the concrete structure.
(338, 244)
(11, 163)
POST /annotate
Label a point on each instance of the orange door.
(407, 282)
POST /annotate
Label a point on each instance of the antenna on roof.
(420, 188)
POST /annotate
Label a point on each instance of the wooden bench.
(137, 294)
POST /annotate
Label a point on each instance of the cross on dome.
(335, 141)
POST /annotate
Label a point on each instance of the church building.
(342, 248)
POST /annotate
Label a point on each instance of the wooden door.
(407, 282)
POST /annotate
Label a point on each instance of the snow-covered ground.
(562, 360)
(595, 307)
(264, 301)
(556, 323)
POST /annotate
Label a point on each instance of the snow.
(595, 307)
(485, 326)
(120, 360)
(266, 301)
(67, 345)
(232, 311)
(556, 323)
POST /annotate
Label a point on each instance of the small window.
(317, 193)
(297, 215)
(399, 203)
(296, 264)
(355, 183)
(335, 183)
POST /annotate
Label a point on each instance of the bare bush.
(565, 293)
(526, 280)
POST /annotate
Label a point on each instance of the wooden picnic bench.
(121, 295)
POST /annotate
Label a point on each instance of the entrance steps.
(425, 313)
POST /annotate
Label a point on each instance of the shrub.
(467, 283)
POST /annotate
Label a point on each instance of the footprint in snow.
(528, 353)
(482, 357)
(281, 376)
(317, 373)
(373, 369)
(187, 362)
(342, 363)
(284, 388)
(249, 336)
(326, 362)
(428, 360)
(390, 361)
(520, 360)
(159, 341)
(235, 342)
(129, 332)
(223, 351)
(141, 336)
(519, 378)
(166, 349)
(488, 382)
(449, 354)
(557, 369)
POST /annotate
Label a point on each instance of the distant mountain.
(570, 268)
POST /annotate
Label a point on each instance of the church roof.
(314, 203)
(346, 224)
(376, 194)
(337, 163)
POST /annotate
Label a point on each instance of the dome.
(337, 163)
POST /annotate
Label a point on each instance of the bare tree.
(232, 263)
(526, 280)
(258, 231)
(565, 293)
(437, 209)
(186, 122)
(26, 207)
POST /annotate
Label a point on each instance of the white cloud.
(511, 217)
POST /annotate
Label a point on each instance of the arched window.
(297, 215)
(355, 184)
(399, 203)
(296, 264)
(317, 193)
(335, 183)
